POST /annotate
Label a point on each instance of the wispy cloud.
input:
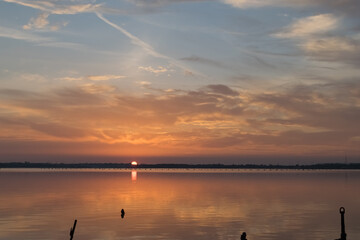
(349, 6)
(310, 26)
(334, 49)
(249, 3)
(157, 3)
(96, 78)
(319, 39)
(158, 70)
(21, 35)
(71, 79)
(42, 22)
(104, 77)
(65, 7)
(37, 39)
(221, 89)
(202, 60)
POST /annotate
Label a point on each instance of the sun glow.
(133, 163)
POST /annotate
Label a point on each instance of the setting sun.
(133, 163)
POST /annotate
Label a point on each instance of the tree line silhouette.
(180, 166)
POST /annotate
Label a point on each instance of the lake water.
(182, 204)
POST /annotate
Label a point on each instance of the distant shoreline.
(325, 166)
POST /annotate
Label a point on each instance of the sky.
(229, 81)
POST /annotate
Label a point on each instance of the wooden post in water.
(343, 234)
(72, 230)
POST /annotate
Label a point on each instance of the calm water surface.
(182, 204)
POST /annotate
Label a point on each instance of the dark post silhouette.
(243, 236)
(72, 230)
(343, 234)
(122, 213)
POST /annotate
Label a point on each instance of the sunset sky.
(233, 81)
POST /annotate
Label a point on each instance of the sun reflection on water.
(133, 175)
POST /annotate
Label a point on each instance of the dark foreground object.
(343, 234)
(243, 235)
(72, 230)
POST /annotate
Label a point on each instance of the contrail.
(135, 40)
(149, 49)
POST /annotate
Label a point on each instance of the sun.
(134, 163)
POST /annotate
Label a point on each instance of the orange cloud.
(213, 120)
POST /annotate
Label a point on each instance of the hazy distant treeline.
(166, 165)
